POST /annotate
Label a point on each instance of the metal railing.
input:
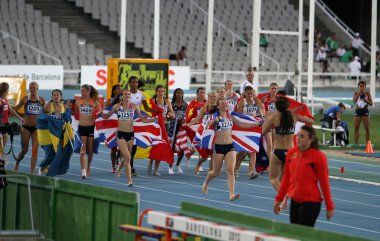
(220, 77)
(29, 194)
(347, 30)
(18, 42)
(235, 36)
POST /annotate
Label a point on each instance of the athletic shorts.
(86, 131)
(223, 148)
(362, 112)
(127, 136)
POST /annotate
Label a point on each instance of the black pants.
(304, 213)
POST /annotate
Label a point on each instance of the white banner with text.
(48, 77)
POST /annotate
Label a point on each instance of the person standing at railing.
(356, 44)
(355, 68)
(363, 99)
(249, 81)
(264, 42)
(322, 57)
(181, 55)
(306, 174)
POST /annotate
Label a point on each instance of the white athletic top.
(137, 98)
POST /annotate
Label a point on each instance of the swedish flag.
(55, 136)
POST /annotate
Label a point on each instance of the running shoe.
(113, 170)
(179, 169)
(254, 175)
(134, 172)
(201, 169)
(40, 171)
(171, 172)
(156, 173)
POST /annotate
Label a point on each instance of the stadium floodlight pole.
(123, 29)
(299, 64)
(156, 41)
(373, 48)
(310, 62)
(210, 30)
(255, 50)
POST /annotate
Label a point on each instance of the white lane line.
(355, 163)
(239, 182)
(353, 170)
(355, 181)
(215, 201)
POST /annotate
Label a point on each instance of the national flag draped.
(78, 141)
(246, 139)
(193, 109)
(204, 138)
(182, 145)
(55, 136)
(162, 151)
(149, 137)
(107, 128)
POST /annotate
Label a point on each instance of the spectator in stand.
(332, 44)
(306, 40)
(181, 55)
(347, 56)
(355, 67)
(249, 81)
(340, 51)
(317, 38)
(356, 43)
(244, 40)
(264, 42)
(322, 57)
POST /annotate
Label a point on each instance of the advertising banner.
(179, 77)
(95, 75)
(48, 77)
(151, 72)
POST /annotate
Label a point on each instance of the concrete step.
(69, 16)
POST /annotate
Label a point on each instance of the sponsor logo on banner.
(95, 75)
(48, 77)
(179, 77)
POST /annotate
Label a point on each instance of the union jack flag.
(246, 139)
(204, 138)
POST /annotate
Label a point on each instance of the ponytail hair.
(286, 118)
(312, 135)
(94, 94)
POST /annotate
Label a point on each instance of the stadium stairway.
(76, 21)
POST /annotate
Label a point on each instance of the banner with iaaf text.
(150, 72)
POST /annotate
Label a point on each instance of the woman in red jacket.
(305, 167)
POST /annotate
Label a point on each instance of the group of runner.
(304, 163)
